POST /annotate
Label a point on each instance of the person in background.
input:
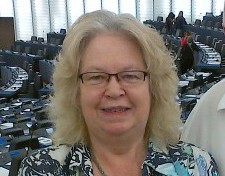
(205, 126)
(169, 23)
(188, 61)
(183, 40)
(114, 106)
(179, 23)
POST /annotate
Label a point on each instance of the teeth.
(115, 110)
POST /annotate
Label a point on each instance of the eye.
(96, 77)
(131, 76)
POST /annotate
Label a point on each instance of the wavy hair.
(64, 109)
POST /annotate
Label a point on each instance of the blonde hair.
(70, 128)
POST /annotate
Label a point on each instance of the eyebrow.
(98, 69)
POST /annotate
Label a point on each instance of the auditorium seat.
(40, 52)
(16, 161)
(23, 142)
(27, 50)
(222, 53)
(38, 83)
(217, 26)
(57, 41)
(197, 22)
(209, 25)
(62, 31)
(159, 18)
(33, 38)
(197, 38)
(208, 40)
(214, 40)
(40, 39)
(218, 46)
(12, 131)
(223, 57)
(18, 48)
(203, 24)
(52, 40)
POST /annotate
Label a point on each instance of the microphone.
(32, 127)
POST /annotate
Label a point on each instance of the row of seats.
(24, 128)
(37, 39)
(41, 39)
(208, 24)
(45, 50)
(24, 125)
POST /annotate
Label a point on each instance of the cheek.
(147, 101)
(144, 100)
(89, 99)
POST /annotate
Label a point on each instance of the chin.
(117, 130)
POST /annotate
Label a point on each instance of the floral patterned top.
(182, 159)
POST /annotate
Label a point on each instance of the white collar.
(221, 104)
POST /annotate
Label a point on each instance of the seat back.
(218, 46)
(208, 40)
(12, 131)
(23, 142)
(62, 31)
(159, 18)
(27, 49)
(197, 22)
(40, 39)
(33, 38)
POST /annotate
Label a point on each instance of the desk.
(206, 66)
(10, 161)
(18, 76)
(209, 58)
(7, 158)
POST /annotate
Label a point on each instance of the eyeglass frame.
(109, 75)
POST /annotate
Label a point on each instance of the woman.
(169, 23)
(114, 105)
(188, 60)
(183, 40)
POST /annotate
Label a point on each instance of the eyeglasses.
(102, 78)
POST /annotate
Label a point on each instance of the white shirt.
(205, 126)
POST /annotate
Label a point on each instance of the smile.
(115, 109)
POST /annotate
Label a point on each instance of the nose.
(114, 88)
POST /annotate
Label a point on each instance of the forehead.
(112, 50)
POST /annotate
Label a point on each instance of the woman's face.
(114, 107)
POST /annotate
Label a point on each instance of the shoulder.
(193, 158)
(213, 95)
(46, 161)
(187, 150)
(181, 159)
(58, 160)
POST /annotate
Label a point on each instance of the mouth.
(117, 109)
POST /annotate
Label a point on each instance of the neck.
(116, 158)
(117, 144)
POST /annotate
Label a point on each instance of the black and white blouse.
(181, 160)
